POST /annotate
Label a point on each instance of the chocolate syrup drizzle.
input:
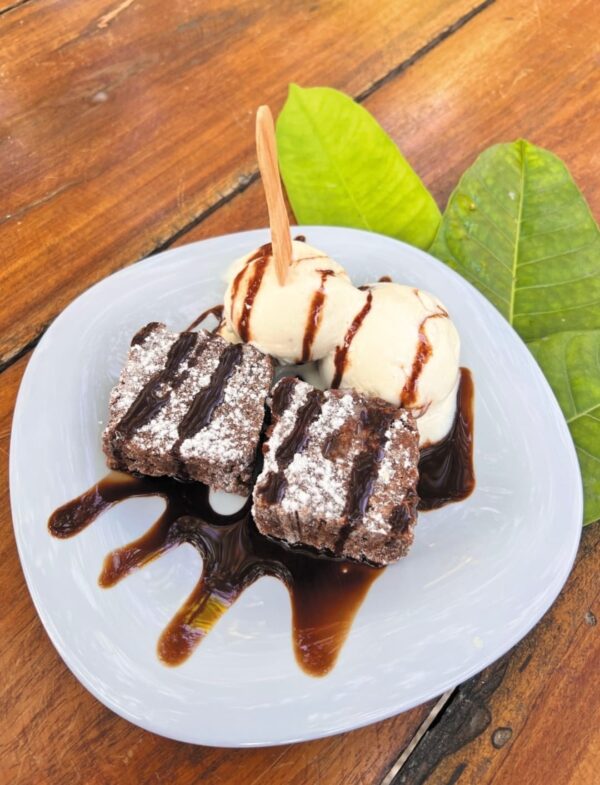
(341, 352)
(315, 316)
(260, 258)
(216, 311)
(294, 442)
(325, 592)
(149, 400)
(446, 471)
(365, 467)
(207, 400)
(408, 396)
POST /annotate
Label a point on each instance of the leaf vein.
(511, 305)
(558, 310)
(556, 283)
(494, 196)
(558, 255)
(589, 454)
(551, 231)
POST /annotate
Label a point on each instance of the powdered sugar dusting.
(312, 507)
(143, 361)
(401, 456)
(161, 433)
(283, 427)
(328, 479)
(222, 454)
(231, 433)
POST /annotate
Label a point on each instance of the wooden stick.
(266, 150)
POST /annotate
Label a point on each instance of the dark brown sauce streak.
(315, 315)
(446, 471)
(408, 396)
(216, 311)
(385, 279)
(202, 408)
(341, 352)
(325, 593)
(282, 396)
(364, 471)
(142, 334)
(264, 250)
(243, 325)
(276, 483)
(149, 401)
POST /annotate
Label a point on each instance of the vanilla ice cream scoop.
(296, 322)
(401, 346)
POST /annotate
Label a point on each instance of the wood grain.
(105, 176)
(10, 5)
(53, 731)
(537, 722)
(505, 83)
(122, 123)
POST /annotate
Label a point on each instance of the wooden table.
(127, 128)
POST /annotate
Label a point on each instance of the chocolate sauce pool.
(325, 592)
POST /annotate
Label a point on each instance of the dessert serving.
(189, 406)
(339, 411)
(340, 473)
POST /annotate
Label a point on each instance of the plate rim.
(71, 661)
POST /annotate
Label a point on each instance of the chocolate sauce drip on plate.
(408, 396)
(446, 472)
(276, 483)
(216, 311)
(325, 593)
(341, 352)
(385, 279)
(315, 315)
(151, 398)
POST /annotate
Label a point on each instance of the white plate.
(479, 576)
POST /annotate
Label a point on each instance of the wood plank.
(505, 82)
(122, 122)
(52, 731)
(521, 69)
(532, 717)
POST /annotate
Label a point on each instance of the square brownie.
(340, 473)
(189, 405)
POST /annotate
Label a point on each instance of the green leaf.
(571, 363)
(341, 168)
(519, 229)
